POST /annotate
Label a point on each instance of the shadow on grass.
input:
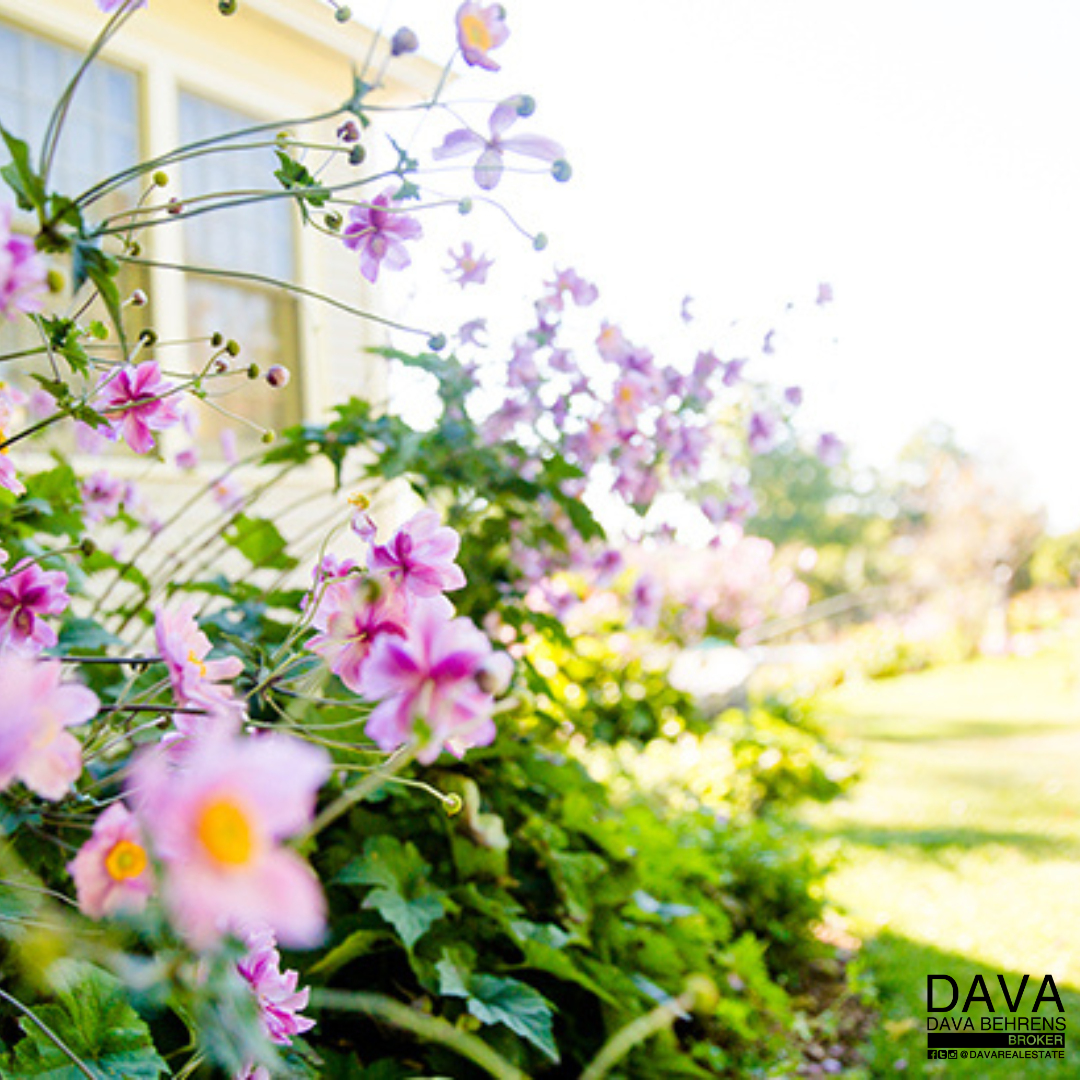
(942, 841)
(900, 967)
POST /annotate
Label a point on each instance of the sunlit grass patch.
(961, 847)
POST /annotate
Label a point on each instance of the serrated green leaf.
(97, 1025)
(260, 541)
(20, 175)
(403, 895)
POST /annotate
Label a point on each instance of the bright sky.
(922, 157)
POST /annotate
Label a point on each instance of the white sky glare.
(923, 157)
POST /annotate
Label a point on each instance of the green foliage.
(95, 1023)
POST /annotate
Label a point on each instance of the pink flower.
(353, 614)
(8, 477)
(112, 869)
(196, 681)
(427, 687)
(488, 169)
(582, 292)
(824, 294)
(217, 823)
(28, 594)
(22, 271)
(275, 990)
(34, 747)
(102, 494)
(470, 269)
(420, 556)
(135, 402)
(761, 433)
(109, 6)
(829, 449)
(469, 332)
(379, 234)
(479, 30)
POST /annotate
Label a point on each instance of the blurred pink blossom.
(217, 824)
(22, 271)
(27, 595)
(420, 556)
(112, 869)
(34, 747)
(379, 232)
(275, 990)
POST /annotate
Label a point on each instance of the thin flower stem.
(428, 1028)
(48, 1033)
(135, 660)
(119, 179)
(348, 799)
(277, 283)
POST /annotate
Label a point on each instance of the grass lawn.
(960, 848)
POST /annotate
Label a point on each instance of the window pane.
(259, 238)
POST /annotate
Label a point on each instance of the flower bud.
(349, 132)
(87, 546)
(333, 220)
(175, 207)
(148, 337)
(55, 281)
(343, 14)
(232, 347)
(404, 41)
(453, 803)
(253, 371)
(465, 206)
(268, 436)
(437, 342)
(134, 248)
(138, 299)
(494, 674)
(160, 178)
(216, 340)
(278, 376)
(525, 104)
(357, 155)
(540, 241)
(228, 7)
(561, 170)
(221, 365)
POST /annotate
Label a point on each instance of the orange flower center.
(126, 860)
(476, 33)
(224, 830)
(193, 659)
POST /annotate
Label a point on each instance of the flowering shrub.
(212, 728)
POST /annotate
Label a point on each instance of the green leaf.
(496, 1000)
(19, 174)
(403, 895)
(260, 542)
(84, 635)
(97, 1025)
(89, 262)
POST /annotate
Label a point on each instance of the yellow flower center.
(3, 449)
(224, 830)
(359, 500)
(193, 659)
(474, 30)
(126, 860)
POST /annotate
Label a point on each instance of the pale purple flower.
(187, 458)
(761, 433)
(685, 313)
(112, 869)
(569, 282)
(229, 493)
(332, 567)
(740, 504)
(102, 494)
(793, 395)
(109, 6)
(824, 294)
(767, 346)
(420, 556)
(216, 825)
(8, 477)
(488, 169)
(136, 401)
(27, 595)
(647, 598)
(22, 271)
(352, 615)
(469, 332)
(733, 372)
(11, 400)
(34, 747)
(427, 688)
(197, 682)
(275, 990)
(830, 449)
(481, 28)
(611, 343)
(469, 268)
(379, 233)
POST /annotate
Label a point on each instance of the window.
(258, 238)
